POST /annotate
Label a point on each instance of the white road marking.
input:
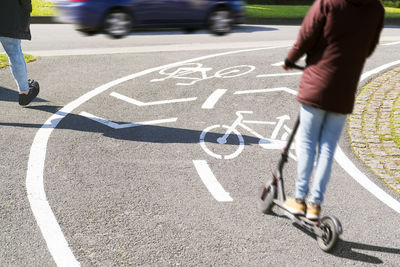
(279, 74)
(394, 43)
(51, 231)
(278, 64)
(142, 104)
(125, 125)
(47, 222)
(256, 91)
(363, 180)
(213, 99)
(209, 180)
(378, 70)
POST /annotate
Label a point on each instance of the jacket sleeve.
(310, 31)
(26, 5)
(377, 33)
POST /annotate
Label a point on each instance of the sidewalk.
(374, 127)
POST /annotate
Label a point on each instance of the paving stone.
(374, 125)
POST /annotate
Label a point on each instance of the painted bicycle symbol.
(195, 72)
(231, 132)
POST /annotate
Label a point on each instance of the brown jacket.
(337, 36)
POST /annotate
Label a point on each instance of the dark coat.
(14, 18)
(337, 36)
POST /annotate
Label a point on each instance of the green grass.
(43, 8)
(46, 8)
(272, 11)
(4, 60)
(276, 11)
(395, 120)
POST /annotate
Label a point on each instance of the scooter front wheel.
(331, 229)
(267, 196)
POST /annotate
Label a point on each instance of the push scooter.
(327, 230)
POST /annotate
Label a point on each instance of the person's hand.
(287, 65)
(287, 68)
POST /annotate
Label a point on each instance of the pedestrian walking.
(14, 26)
(337, 36)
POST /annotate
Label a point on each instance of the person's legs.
(331, 131)
(17, 62)
(311, 120)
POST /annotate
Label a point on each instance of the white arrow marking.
(209, 180)
(213, 99)
(256, 91)
(142, 104)
(125, 125)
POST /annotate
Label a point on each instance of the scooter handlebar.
(293, 65)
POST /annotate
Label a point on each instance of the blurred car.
(118, 17)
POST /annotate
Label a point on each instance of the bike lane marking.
(213, 99)
(45, 218)
(142, 104)
(340, 157)
(124, 125)
(211, 183)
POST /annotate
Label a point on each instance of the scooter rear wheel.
(331, 228)
(267, 196)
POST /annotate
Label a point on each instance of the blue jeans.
(322, 129)
(17, 62)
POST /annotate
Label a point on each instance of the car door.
(168, 12)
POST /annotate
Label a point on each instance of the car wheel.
(117, 23)
(220, 21)
(87, 32)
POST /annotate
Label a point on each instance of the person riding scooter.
(337, 36)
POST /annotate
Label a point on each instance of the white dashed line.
(213, 99)
(209, 180)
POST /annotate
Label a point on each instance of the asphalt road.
(106, 169)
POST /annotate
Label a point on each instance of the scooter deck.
(312, 226)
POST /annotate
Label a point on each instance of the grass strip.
(43, 8)
(4, 60)
(47, 8)
(278, 11)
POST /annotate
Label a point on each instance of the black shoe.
(25, 99)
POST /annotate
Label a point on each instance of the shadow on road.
(143, 133)
(346, 249)
(9, 95)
